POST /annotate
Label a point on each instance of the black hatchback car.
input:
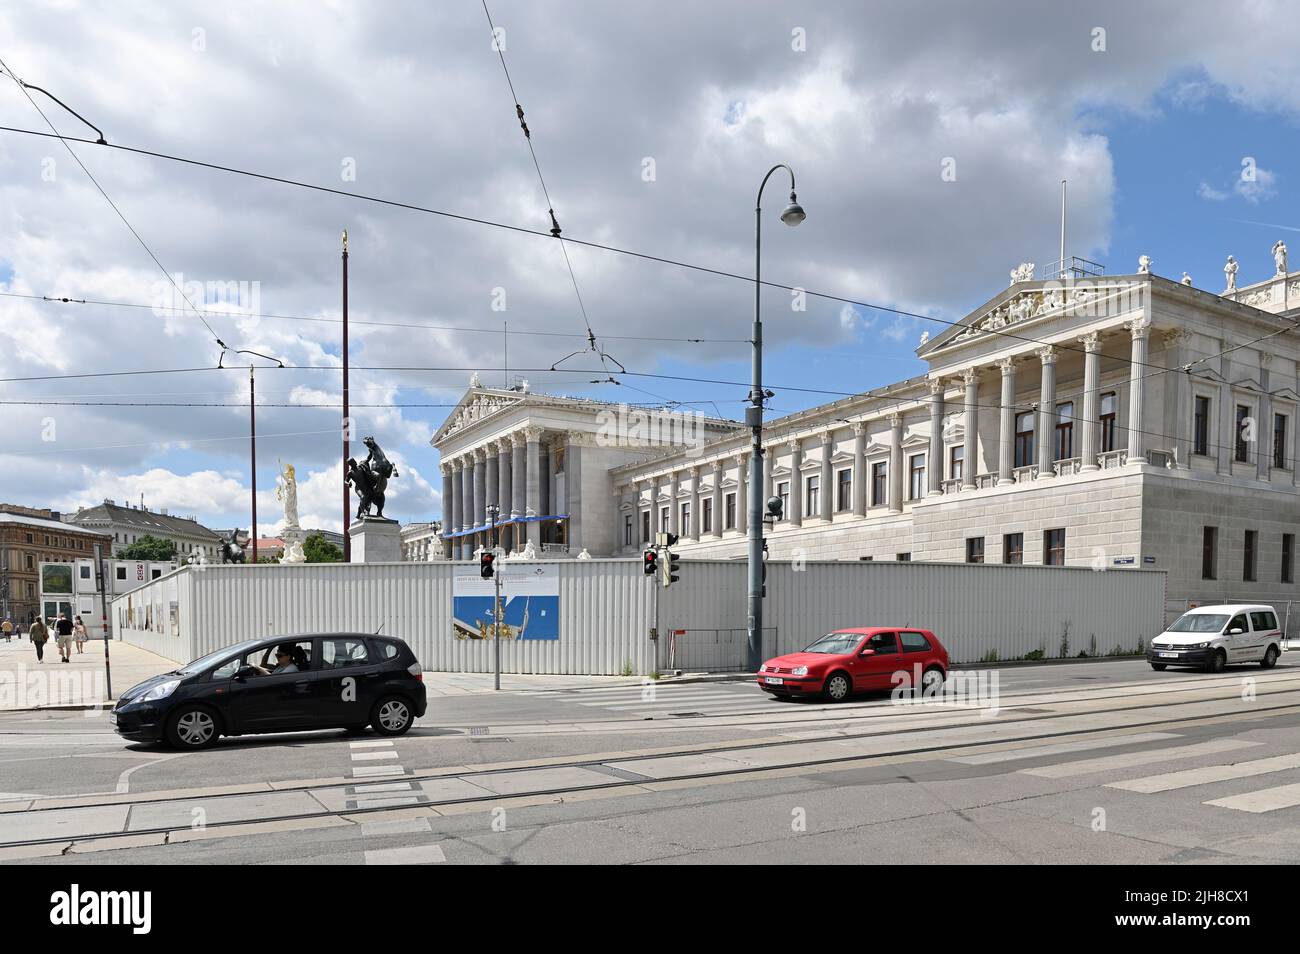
(281, 684)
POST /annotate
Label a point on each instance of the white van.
(1211, 637)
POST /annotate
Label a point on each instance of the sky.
(928, 140)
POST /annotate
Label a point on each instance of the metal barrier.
(714, 650)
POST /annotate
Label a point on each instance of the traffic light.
(651, 559)
(485, 561)
(669, 568)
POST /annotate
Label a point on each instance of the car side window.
(1238, 622)
(342, 652)
(914, 642)
(227, 669)
(883, 643)
(1263, 621)
(387, 650)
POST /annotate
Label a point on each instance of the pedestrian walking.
(63, 629)
(39, 636)
(80, 635)
(7, 629)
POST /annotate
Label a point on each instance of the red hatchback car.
(858, 660)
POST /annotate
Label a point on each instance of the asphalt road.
(705, 772)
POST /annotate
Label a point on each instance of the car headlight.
(160, 691)
(799, 671)
(763, 668)
(1198, 645)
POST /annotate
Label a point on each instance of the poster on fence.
(530, 599)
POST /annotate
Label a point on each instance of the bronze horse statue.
(370, 479)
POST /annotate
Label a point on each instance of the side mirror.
(867, 652)
(1235, 632)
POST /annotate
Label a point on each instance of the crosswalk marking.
(1264, 800)
(368, 771)
(1207, 774)
(372, 756)
(1130, 759)
(371, 744)
(411, 855)
(1060, 748)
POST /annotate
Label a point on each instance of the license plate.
(774, 681)
(1168, 655)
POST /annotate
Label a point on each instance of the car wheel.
(192, 727)
(837, 687)
(1159, 667)
(391, 715)
(932, 681)
(1270, 658)
(1218, 661)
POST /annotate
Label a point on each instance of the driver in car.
(284, 662)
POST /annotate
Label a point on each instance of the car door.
(348, 675)
(875, 669)
(1262, 625)
(1237, 645)
(276, 701)
(916, 652)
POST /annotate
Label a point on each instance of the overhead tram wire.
(556, 231)
(644, 256)
(23, 86)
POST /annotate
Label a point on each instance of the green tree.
(149, 548)
(319, 550)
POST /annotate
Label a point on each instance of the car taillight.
(415, 670)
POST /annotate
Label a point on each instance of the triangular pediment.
(781, 471)
(843, 457)
(476, 405)
(730, 482)
(1247, 384)
(915, 441)
(1285, 394)
(810, 465)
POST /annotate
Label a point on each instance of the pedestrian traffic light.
(669, 568)
(651, 559)
(485, 561)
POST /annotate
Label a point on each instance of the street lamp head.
(794, 213)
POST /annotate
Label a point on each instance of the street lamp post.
(792, 216)
(252, 436)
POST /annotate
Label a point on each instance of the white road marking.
(1061, 748)
(1207, 774)
(383, 801)
(1265, 800)
(404, 827)
(368, 744)
(413, 855)
(372, 756)
(367, 771)
(1130, 759)
(124, 780)
(386, 787)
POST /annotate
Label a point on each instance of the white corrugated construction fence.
(607, 607)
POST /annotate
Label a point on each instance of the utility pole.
(347, 424)
(252, 450)
(102, 582)
(493, 511)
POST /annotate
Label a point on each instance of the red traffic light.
(651, 562)
(485, 561)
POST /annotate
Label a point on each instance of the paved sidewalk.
(26, 684)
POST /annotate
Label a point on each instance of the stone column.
(1177, 348)
(492, 478)
(480, 487)
(654, 510)
(1091, 443)
(769, 487)
(970, 428)
(553, 454)
(448, 505)
(1138, 328)
(860, 478)
(1047, 413)
(895, 463)
(718, 474)
(505, 487)
(934, 466)
(1007, 431)
(546, 504)
(742, 493)
(826, 510)
(1264, 428)
(467, 507)
(518, 475)
(693, 531)
(674, 508)
(573, 461)
(796, 484)
(532, 485)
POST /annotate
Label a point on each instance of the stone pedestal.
(293, 538)
(376, 540)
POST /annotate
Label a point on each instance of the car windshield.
(836, 643)
(203, 662)
(1199, 623)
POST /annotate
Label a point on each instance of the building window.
(957, 463)
(879, 474)
(1013, 548)
(783, 491)
(1279, 441)
(844, 490)
(29, 538)
(1248, 558)
(1054, 547)
(916, 476)
(1288, 557)
(1109, 410)
(706, 516)
(645, 527)
(663, 520)
(84, 572)
(1209, 553)
(1242, 447)
(903, 557)
(1201, 431)
(627, 530)
(1024, 439)
(121, 573)
(686, 520)
(729, 512)
(974, 549)
(811, 496)
(1064, 431)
